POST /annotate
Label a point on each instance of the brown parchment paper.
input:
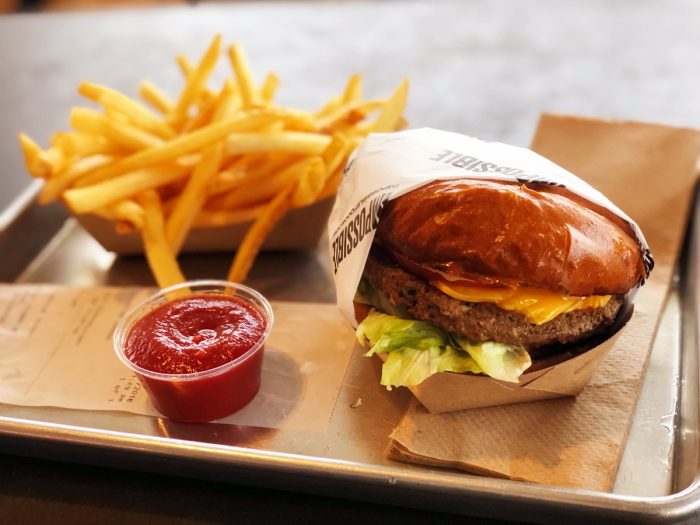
(648, 170)
(56, 350)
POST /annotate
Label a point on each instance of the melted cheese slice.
(539, 306)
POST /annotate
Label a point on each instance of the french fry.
(335, 153)
(391, 113)
(155, 97)
(192, 197)
(203, 117)
(269, 87)
(218, 218)
(157, 250)
(86, 121)
(303, 143)
(55, 186)
(252, 192)
(250, 246)
(116, 116)
(227, 179)
(182, 145)
(43, 164)
(353, 89)
(245, 170)
(185, 67)
(350, 113)
(91, 122)
(195, 82)
(127, 214)
(228, 102)
(135, 112)
(239, 63)
(89, 198)
(80, 145)
(205, 94)
(296, 120)
(333, 104)
(128, 211)
(309, 184)
(37, 163)
(58, 159)
(331, 185)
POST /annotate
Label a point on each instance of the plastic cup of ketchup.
(197, 348)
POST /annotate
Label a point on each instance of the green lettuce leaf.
(415, 350)
(498, 360)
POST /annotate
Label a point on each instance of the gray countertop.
(485, 68)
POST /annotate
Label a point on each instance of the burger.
(482, 277)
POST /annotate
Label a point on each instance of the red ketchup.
(199, 357)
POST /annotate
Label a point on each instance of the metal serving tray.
(657, 481)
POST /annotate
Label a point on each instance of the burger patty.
(482, 321)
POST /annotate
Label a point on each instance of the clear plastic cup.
(210, 394)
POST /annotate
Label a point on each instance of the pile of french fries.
(205, 159)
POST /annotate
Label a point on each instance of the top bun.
(500, 234)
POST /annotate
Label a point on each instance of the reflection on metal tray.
(656, 481)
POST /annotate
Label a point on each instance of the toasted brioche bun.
(498, 234)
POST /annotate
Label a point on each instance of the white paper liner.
(386, 166)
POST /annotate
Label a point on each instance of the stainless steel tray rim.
(679, 505)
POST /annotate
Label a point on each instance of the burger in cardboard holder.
(481, 273)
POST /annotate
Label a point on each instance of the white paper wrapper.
(386, 166)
